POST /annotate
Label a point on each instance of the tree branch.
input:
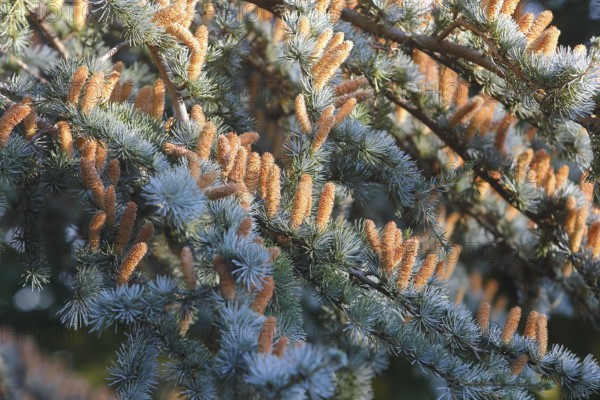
(507, 195)
(23, 65)
(178, 103)
(114, 51)
(49, 35)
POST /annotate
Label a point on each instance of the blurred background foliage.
(29, 325)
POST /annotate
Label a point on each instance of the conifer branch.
(49, 35)
(510, 197)
(178, 103)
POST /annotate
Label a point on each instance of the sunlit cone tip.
(483, 316)
(511, 324)
(130, 262)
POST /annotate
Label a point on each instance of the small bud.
(502, 133)
(273, 191)
(324, 126)
(221, 191)
(125, 90)
(186, 258)
(274, 251)
(549, 183)
(580, 49)
(223, 151)
(425, 271)
(411, 250)
(79, 14)
(540, 23)
(440, 270)
(110, 206)
(198, 53)
(109, 85)
(238, 173)
(345, 111)
(30, 121)
(249, 138)
(65, 138)
(525, 22)
(266, 335)
(571, 217)
(101, 156)
(351, 86)
(280, 346)
(11, 118)
(114, 171)
(145, 233)
(303, 29)
(541, 165)
(130, 262)
(92, 181)
(335, 10)
(197, 114)
(193, 164)
(465, 112)
(335, 41)
(562, 176)
(546, 42)
(321, 42)
(448, 85)
(245, 227)
(388, 246)
(509, 7)
(142, 100)
(586, 187)
(576, 237)
(226, 280)
(125, 227)
(262, 298)
(93, 92)
(594, 239)
(185, 36)
(517, 366)
(398, 247)
(491, 288)
(373, 236)
(157, 101)
(206, 139)
(190, 12)
(266, 163)
(96, 225)
(302, 114)
(334, 59)
(325, 205)
(185, 322)
(322, 6)
(234, 144)
(462, 94)
(492, 9)
(483, 317)
(207, 179)
(531, 325)
(542, 335)
(299, 205)
(252, 172)
(511, 324)
(87, 148)
(76, 84)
